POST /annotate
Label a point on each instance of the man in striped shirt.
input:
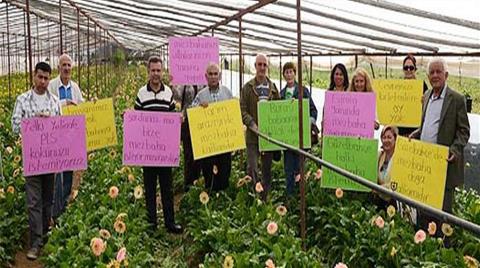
(155, 96)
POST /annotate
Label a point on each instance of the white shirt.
(433, 113)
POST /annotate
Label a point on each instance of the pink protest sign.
(349, 114)
(151, 139)
(189, 57)
(53, 144)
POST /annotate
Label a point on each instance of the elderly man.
(216, 180)
(37, 102)
(445, 122)
(157, 97)
(260, 88)
(69, 94)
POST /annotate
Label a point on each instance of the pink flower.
(339, 193)
(98, 246)
(318, 174)
(113, 192)
(272, 228)
(419, 236)
(259, 187)
(269, 264)
(122, 253)
(432, 228)
(297, 178)
(341, 265)
(379, 222)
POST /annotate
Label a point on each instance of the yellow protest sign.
(419, 171)
(216, 129)
(399, 102)
(100, 122)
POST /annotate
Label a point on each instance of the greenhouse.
(104, 101)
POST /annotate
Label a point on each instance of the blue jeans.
(291, 164)
(63, 188)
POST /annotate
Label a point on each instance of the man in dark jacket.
(260, 88)
(444, 122)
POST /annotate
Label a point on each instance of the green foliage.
(232, 223)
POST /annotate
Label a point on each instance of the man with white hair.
(258, 89)
(68, 92)
(444, 122)
(215, 169)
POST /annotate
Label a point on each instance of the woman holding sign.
(291, 160)
(216, 169)
(361, 82)
(410, 72)
(388, 136)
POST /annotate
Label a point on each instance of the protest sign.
(419, 171)
(399, 102)
(216, 129)
(358, 156)
(189, 57)
(53, 144)
(279, 120)
(100, 120)
(349, 114)
(151, 138)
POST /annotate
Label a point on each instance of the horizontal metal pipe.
(444, 216)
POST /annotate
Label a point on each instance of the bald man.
(68, 92)
(260, 88)
(217, 179)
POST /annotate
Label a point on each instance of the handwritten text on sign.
(349, 114)
(101, 131)
(419, 171)
(358, 156)
(279, 120)
(151, 138)
(53, 144)
(216, 129)
(189, 57)
(399, 102)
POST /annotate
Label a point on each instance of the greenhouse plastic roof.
(328, 27)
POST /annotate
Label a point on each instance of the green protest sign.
(358, 156)
(279, 120)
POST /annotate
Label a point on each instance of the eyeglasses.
(408, 68)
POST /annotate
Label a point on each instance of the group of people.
(47, 195)
(444, 121)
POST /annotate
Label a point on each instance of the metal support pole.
(240, 57)
(104, 60)
(79, 63)
(280, 73)
(29, 43)
(386, 67)
(96, 61)
(38, 40)
(311, 75)
(61, 33)
(8, 59)
(356, 61)
(300, 127)
(25, 46)
(88, 58)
